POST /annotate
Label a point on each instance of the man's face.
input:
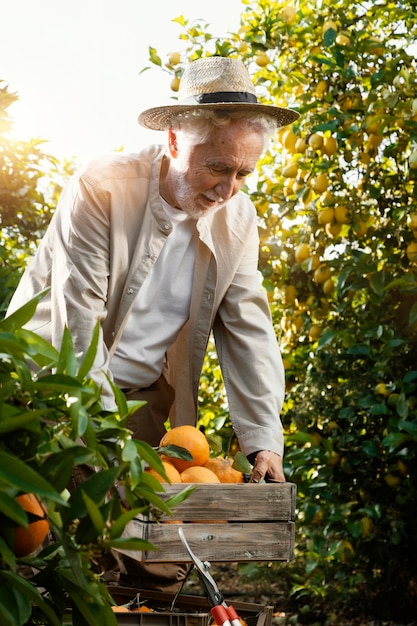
(202, 178)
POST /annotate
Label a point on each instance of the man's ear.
(172, 143)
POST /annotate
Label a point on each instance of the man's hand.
(269, 463)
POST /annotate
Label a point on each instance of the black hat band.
(221, 97)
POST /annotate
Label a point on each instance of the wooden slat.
(266, 502)
(231, 542)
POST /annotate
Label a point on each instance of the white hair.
(195, 126)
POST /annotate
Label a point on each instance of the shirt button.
(130, 291)
(167, 226)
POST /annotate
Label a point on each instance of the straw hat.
(217, 83)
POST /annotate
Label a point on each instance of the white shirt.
(160, 309)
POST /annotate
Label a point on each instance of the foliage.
(26, 200)
(52, 425)
(337, 201)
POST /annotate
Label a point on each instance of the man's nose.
(227, 187)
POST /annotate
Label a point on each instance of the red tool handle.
(220, 615)
(225, 616)
(233, 616)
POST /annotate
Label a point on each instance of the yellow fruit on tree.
(302, 252)
(326, 198)
(329, 24)
(300, 145)
(320, 183)
(175, 83)
(412, 252)
(290, 294)
(412, 221)
(367, 527)
(261, 59)
(297, 322)
(314, 261)
(288, 14)
(402, 467)
(382, 389)
(343, 39)
(328, 286)
(315, 141)
(174, 58)
(321, 88)
(288, 140)
(342, 214)
(314, 332)
(392, 480)
(322, 273)
(360, 228)
(290, 171)
(334, 229)
(329, 146)
(326, 216)
(374, 46)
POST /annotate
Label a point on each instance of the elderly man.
(161, 247)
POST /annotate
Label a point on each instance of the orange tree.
(337, 202)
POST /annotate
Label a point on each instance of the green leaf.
(23, 315)
(120, 523)
(377, 282)
(7, 555)
(179, 497)
(67, 361)
(148, 454)
(38, 348)
(153, 57)
(93, 513)
(15, 607)
(130, 543)
(129, 451)
(26, 589)
(176, 452)
(11, 509)
(241, 463)
(16, 473)
(90, 354)
(329, 37)
(22, 420)
(61, 382)
(96, 487)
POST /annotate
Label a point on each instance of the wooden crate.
(187, 611)
(223, 523)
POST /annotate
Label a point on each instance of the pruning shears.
(223, 614)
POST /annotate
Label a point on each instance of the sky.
(76, 67)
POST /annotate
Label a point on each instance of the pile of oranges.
(202, 468)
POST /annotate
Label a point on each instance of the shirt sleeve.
(250, 357)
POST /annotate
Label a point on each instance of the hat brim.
(161, 118)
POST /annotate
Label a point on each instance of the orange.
(224, 470)
(172, 473)
(120, 609)
(198, 474)
(26, 540)
(190, 438)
